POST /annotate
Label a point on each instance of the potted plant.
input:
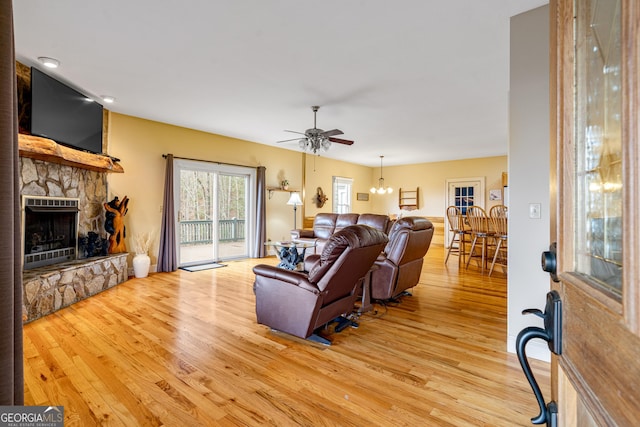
(285, 184)
(141, 260)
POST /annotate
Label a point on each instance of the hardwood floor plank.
(184, 349)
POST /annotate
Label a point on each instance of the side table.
(290, 253)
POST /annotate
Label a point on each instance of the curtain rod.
(210, 161)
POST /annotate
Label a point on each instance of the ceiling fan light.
(373, 189)
(325, 144)
(389, 190)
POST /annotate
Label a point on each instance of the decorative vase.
(141, 263)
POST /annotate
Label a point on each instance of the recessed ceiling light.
(49, 62)
(108, 99)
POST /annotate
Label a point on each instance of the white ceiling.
(413, 80)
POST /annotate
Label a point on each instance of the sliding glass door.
(214, 211)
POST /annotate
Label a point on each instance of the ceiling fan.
(315, 139)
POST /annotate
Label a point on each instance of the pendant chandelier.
(381, 188)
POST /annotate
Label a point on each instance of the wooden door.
(595, 195)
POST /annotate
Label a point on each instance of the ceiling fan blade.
(341, 141)
(332, 132)
(294, 131)
(289, 140)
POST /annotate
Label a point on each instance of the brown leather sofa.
(400, 265)
(326, 224)
(298, 303)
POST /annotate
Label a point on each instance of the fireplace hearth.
(50, 230)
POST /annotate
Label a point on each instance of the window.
(342, 194)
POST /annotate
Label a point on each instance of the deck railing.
(201, 232)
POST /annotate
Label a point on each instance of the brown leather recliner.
(400, 265)
(298, 303)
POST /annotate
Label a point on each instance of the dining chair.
(480, 231)
(459, 233)
(498, 217)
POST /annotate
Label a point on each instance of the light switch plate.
(534, 210)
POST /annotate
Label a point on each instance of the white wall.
(528, 173)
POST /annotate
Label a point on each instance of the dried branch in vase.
(142, 242)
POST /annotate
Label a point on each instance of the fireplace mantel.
(39, 148)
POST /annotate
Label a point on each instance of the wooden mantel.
(39, 148)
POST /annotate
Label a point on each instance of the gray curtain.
(11, 369)
(261, 227)
(167, 257)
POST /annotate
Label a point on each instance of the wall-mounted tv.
(63, 114)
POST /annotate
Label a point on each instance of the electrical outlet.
(534, 210)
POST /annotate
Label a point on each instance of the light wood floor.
(184, 349)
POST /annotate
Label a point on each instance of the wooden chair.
(498, 217)
(479, 223)
(457, 228)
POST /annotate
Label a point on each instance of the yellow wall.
(140, 143)
(431, 179)
(320, 172)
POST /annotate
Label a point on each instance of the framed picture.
(363, 197)
(495, 195)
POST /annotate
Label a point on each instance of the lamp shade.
(294, 200)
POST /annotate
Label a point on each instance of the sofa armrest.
(302, 233)
(272, 272)
(292, 277)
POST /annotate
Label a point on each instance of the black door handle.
(552, 333)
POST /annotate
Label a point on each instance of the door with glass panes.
(462, 193)
(595, 200)
(214, 211)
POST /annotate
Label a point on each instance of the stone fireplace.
(49, 230)
(61, 204)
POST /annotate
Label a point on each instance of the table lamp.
(295, 201)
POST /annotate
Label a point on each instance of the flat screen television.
(63, 114)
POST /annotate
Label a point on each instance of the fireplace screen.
(50, 231)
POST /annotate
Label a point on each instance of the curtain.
(167, 257)
(261, 228)
(11, 358)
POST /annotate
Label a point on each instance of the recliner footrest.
(343, 322)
